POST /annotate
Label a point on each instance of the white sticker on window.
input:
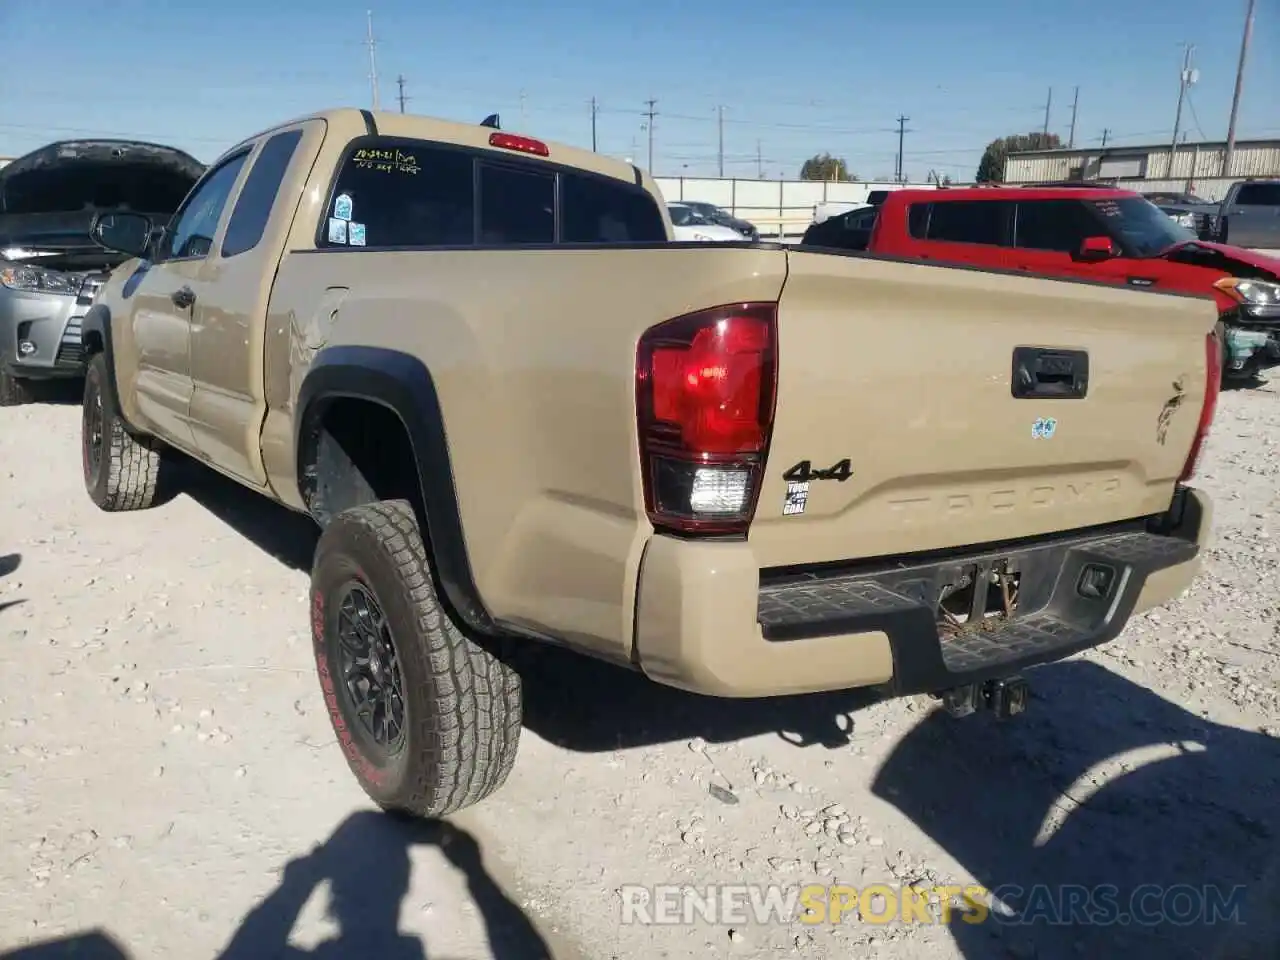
(342, 207)
(355, 234)
(337, 230)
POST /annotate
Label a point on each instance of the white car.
(691, 225)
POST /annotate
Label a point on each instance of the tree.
(991, 166)
(824, 166)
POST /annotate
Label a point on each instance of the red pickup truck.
(1106, 235)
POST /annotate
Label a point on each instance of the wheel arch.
(401, 387)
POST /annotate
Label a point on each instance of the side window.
(1059, 225)
(516, 206)
(253, 208)
(399, 193)
(918, 220)
(598, 210)
(968, 221)
(1259, 195)
(191, 231)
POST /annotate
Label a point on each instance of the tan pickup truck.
(521, 414)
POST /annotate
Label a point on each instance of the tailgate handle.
(1043, 373)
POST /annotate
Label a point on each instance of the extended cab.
(522, 414)
(1084, 232)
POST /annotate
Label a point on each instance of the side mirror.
(123, 232)
(1094, 249)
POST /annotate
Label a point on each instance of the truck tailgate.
(906, 371)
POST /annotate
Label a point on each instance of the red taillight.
(705, 387)
(1212, 387)
(509, 141)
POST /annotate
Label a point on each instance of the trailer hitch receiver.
(1005, 697)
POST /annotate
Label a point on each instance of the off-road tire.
(462, 706)
(120, 473)
(14, 391)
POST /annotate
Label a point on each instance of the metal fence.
(779, 208)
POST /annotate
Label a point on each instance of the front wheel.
(428, 720)
(120, 473)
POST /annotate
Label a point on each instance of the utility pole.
(1106, 132)
(759, 162)
(902, 129)
(1075, 105)
(1235, 100)
(650, 114)
(523, 125)
(373, 61)
(401, 97)
(720, 129)
(1184, 80)
(595, 110)
(1048, 105)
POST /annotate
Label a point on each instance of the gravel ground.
(169, 786)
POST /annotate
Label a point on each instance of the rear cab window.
(403, 193)
(961, 221)
(258, 195)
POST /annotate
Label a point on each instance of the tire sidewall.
(347, 553)
(96, 471)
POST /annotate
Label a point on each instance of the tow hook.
(1005, 697)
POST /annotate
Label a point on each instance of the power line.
(1185, 79)
(1235, 99)
(401, 97)
(1075, 106)
(650, 114)
(720, 131)
(902, 130)
(373, 61)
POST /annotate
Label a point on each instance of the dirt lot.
(168, 777)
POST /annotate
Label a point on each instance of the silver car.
(50, 268)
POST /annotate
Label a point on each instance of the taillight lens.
(1212, 387)
(705, 387)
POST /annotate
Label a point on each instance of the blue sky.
(794, 78)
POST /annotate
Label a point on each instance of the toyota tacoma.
(521, 414)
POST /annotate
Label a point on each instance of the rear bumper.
(707, 623)
(40, 334)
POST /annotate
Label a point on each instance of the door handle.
(1046, 373)
(183, 297)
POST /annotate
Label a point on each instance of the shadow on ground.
(288, 536)
(9, 562)
(587, 706)
(63, 392)
(1017, 806)
(366, 864)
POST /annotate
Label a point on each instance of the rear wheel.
(120, 473)
(428, 720)
(14, 391)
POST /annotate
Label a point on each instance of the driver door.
(163, 300)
